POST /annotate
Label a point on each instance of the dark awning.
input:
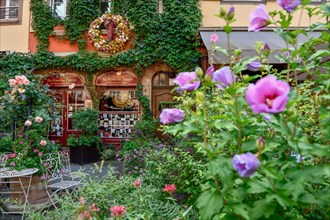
(246, 41)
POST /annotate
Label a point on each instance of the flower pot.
(84, 155)
(37, 192)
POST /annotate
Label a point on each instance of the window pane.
(162, 80)
(75, 102)
(9, 9)
(156, 80)
(106, 6)
(60, 8)
(13, 11)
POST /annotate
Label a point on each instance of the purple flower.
(173, 115)
(266, 47)
(258, 18)
(231, 11)
(254, 66)
(267, 117)
(187, 81)
(210, 71)
(224, 77)
(12, 164)
(214, 38)
(268, 95)
(288, 5)
(245, 164)
(299, 158)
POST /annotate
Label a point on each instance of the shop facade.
(114, 96)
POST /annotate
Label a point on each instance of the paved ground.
(92, 169)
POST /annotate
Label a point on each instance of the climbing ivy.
(43, 22)
(80, 14)
(170, 37)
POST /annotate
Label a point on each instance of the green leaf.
(227, 29)
(240, 209)
(281, 198)
(262, 208)
(209, 203)
(258, 186)
(308, 198)
(222, 50)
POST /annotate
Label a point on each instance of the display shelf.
(117, 125)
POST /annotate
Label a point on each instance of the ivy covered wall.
(170, 37)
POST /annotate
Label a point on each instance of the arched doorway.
(162, 95)
(68, 89)
(118, 105)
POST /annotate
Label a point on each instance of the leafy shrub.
(146, 202)
(180, 166)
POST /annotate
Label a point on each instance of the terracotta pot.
(37, 193)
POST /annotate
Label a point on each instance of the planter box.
(84, 155)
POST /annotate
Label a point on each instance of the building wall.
(242, 13)
(14, 37)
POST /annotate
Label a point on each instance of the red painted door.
(68, 102)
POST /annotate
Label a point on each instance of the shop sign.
(62, 80)
(116, 78)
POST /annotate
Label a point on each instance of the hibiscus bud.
(223, 13)
(260, 144)
(231, 13)
(199, 72)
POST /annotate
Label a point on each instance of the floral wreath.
(121, 30)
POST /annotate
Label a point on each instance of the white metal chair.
(56, 174)
(66, 167)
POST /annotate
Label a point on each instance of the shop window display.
(119, 111)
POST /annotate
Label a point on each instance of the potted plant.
(84, 148)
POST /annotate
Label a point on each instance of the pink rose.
(43, 143)
(12, 82)
(40, 154)
(12, 155)
(38, 119)
(28, 123)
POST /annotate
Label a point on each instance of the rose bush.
(27, 107)
(263, 162)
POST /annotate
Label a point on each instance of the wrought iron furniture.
(59, 178)
(11, 176)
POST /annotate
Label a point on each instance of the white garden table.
(7, 176)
